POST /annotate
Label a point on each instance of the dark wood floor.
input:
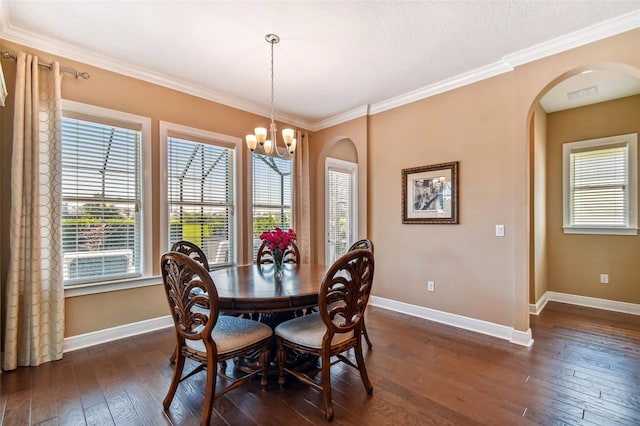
(584, 368)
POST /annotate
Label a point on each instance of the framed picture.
(430, 194)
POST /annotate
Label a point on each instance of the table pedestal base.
(294, 360)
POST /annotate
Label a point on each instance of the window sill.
(104, 287)
(600, 230)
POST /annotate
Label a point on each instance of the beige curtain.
(34, 295)
(302, 209)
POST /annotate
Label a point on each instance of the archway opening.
(585, 103)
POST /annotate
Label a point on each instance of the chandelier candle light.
(259, 139)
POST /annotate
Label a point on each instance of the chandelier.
(258, 142)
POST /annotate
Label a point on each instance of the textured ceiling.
(334, 57)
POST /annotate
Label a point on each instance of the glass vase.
(278, 271)
(278, 267)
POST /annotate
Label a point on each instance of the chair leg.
(178, 366)
(209, 392)
(362, 368)
(282, 358)
(264, 364)
(366, 335)
(326, 386)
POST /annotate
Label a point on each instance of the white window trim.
(632, 227)
(168, 127)
(147, 216)
(352, 169)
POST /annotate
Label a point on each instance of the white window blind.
(102, 201)
(600, 186)
(340, 213)
(272, 195)
(201, 197)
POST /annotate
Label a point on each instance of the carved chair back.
(192, 250)
(362, 244)
(345, 291)
(291, 254)
(192, 297)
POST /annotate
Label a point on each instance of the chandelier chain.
(273, 102)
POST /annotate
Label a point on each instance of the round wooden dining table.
(253, 288)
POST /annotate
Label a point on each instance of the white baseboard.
(81, 341)
(590, 302)
(522, 338)
(539, 306)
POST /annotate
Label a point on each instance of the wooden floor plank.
(43, 388)
(583, 369)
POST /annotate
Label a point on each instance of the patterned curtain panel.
(34, 317)
(302, 209)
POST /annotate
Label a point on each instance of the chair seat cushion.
(308, 330)
(233, 333)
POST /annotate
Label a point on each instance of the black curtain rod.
(85, 75)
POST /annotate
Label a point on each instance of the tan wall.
(485, 126)
(472, 268)
(576, 261)
(324, 144)
(538, 259)
(110, 90)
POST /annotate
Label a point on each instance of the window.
(342, 206)
(272, 195)
(104, 198)
(600, 186)
(200, 191)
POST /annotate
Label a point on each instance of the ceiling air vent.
(582, 93)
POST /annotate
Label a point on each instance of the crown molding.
(292, 120)
(570, 41)
(75, 53)
(464, 79)
(591, 34)
(358, 112)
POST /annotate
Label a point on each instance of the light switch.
(499, 230)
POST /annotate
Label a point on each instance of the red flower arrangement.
(278, 240)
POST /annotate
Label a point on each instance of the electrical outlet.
(431, 286)
(604, 278)
(499, 230)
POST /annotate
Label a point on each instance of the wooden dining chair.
(192, 250)
(368, 245)
(196, 253)
(202, 335)
(364, 244)
(335, 329)
(291, 254)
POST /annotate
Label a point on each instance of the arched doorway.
(340, 155)
(584, 103)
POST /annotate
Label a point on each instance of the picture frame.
(430, 194)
